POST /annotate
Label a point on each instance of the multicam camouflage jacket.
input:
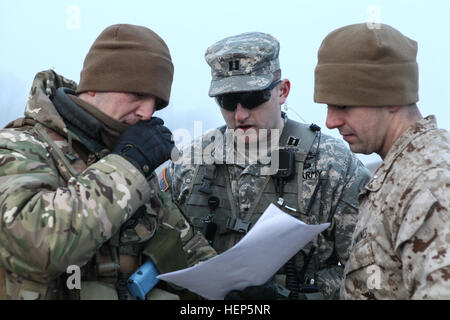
(401, 243)
(325, 188)
(59, 208)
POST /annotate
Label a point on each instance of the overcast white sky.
(40, 35)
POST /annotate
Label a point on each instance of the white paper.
(272, 241)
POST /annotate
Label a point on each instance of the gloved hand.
(266, 291)
(147, 145)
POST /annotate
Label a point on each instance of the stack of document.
(272, 241)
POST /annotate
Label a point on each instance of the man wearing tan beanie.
(80, 207)
(368, 77)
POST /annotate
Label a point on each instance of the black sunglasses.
(249, 100)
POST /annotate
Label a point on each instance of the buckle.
(281, 290)
(238, 225)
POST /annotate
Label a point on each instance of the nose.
(241, 114)
(334, 120)
(146, 108)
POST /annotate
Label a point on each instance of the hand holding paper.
(272, 241)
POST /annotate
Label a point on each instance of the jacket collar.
(40, 107)
(400, 145)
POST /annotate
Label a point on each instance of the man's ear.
(285, 88)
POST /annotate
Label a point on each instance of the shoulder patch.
(163, 184)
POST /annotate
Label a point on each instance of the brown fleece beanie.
(360, 66)
(128, 58)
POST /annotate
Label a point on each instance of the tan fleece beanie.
(360, 66)
(128, 58)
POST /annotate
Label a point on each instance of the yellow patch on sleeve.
(163, 184)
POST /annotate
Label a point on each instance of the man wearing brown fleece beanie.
(80, 206)
(368, 77)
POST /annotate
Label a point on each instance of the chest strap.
(301, 138)
(297, 136)
(207, 179)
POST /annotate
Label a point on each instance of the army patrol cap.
(363, 65)
(241, 63)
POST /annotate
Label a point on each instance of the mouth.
(128, 121)
(347, 136)
(245, 127)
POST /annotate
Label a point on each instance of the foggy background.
(43, 35)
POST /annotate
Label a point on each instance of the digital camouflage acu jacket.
(325, 189)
